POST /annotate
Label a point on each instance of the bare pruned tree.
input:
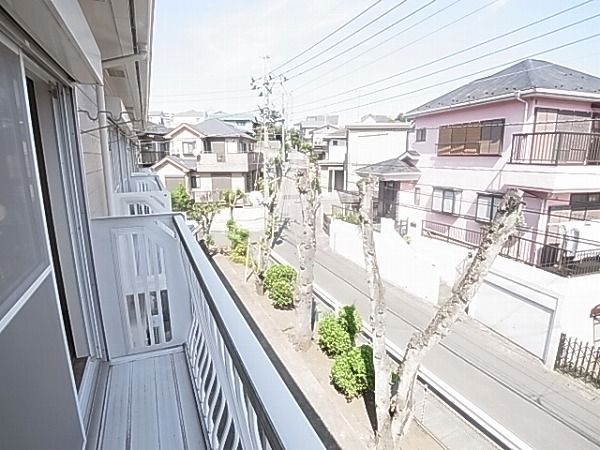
(395, 414)
(307, 182)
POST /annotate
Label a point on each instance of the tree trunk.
(508, 217)
(381, 362)
(307, 183)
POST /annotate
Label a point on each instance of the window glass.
(448, 205)
(436, 200)
(23, 250)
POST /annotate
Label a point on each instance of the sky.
(205, 53)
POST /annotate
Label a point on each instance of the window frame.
(456, 195)
(184, 146)
(458, 140)
(496, 199)
(420, 134)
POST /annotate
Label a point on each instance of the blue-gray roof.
(218, 128)
(525, 75)
(394, 166)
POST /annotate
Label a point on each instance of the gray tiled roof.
(523, 76)
(378, 118)
(190, 164)
(391, 166)
(218, 128)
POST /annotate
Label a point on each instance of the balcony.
(184, 367)
(556, 148)
(147, 196)
(229, 162)
(547, 251)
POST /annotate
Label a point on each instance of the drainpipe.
(526, 114)
(104, 150)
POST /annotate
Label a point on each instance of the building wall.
(369, 146)
(473, 174)
(336, 153)
(176, 144)
(85, 96)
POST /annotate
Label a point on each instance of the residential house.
(153, 144)
(331, 166)
(370, 143)
(208, 158)
(533, 126)
(191, 117)
(318, 143)
(312, 123)
(160, 118)
(116, 330)
(375, 118)
(244, 121)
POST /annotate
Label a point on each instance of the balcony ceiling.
(122, 28)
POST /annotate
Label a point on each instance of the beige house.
(208, 158)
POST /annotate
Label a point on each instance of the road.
(545, 409)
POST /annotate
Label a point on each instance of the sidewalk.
(348, 423)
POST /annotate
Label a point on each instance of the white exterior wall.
(398, 262)
(85, 97)
(336, 153)
(569, 299)
(369, 146)
(176, 143)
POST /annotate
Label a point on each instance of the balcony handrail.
(555, 148)
(281, 421)
(557, 258)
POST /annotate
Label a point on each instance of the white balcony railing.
(148, 196)
(159, 290)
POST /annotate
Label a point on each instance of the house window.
(421, 135)
(487, 206)
(474, 138)
(583, 200)
(188, 147)
(446, 201)
(334, 143)
(417, 199)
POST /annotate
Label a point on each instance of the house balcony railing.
(147, 196)
(556, 148)
(547, 251)
(159, 291)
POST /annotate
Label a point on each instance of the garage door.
(522, 320)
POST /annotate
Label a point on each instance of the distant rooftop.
(191, 113)
(219, 128)
(377, 118)
(527, 75)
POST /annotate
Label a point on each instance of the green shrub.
(353, 218)
(352, 373)
(333, 338)
(350, 320)
(239, 241)
(281, 294)
(279, 272)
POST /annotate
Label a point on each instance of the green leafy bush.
(350, 320)
(352, 372)
(181, 200)
(281, 294)
(333, 338)
(353, 218)
(279, 272)
(239, 241)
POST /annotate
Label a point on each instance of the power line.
(328, 36)
(346, 38)
(200, 93)
(577, 41)
(428, 35)
(402, 19)
(463, 51)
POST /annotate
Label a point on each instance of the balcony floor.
(149, 404)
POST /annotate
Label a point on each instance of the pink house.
(535, 126)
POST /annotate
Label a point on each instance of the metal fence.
(544, 250)
(578, 359)
(556, 148)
